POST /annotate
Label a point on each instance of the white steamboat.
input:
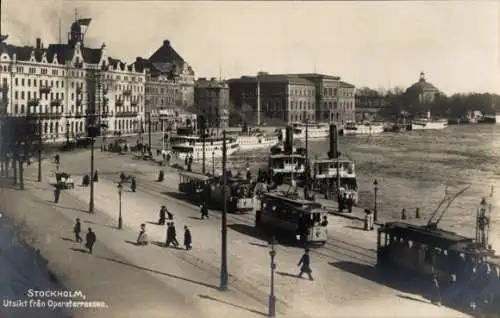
(366, 128)
(315, 131)
(257, 140)
(183, 146)
(428, 123)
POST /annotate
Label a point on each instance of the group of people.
(346, 201)
(90, 237)
(171, 230)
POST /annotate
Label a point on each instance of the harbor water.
(414, 169)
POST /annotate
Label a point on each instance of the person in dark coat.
(77, 229)
(436, 289)
(174, 235)
(341, 203)
(57, 193)
(350, 203)
(204, 211)
(133, 184)
(162, 218)
(187, 238)
(169, 235)
(90, 239)
(304, 264)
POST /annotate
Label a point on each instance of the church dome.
(422, 86)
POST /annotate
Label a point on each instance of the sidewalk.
(109, 275)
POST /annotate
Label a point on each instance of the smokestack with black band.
(38, 44)
(333, 153)
(288, 140)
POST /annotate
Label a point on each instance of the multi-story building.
(212, 100)
(69, 86)
(169, 87)
(293, 97)
(368, 103)
(165, 60)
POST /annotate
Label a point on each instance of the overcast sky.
(376, 44)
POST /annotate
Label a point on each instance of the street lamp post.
(223, 267)
(375, 190)
(272, 298)
(120, 188)
(213, 163)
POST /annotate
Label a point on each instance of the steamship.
(287, 163)
(184, 145)
(314, 131)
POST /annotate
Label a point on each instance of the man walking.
(174, 235)
(304, 264)
(77, 229)
(187, 238)
(57, 193)
(163, 212)
(90, 239)
(204, 211)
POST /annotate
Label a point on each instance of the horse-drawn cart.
(64, 180)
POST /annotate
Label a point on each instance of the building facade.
(69, 86)
(169, 87)
(368, 103)
(212, 101)
(422, 92)
(293, 97)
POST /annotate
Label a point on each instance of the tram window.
(316, 218)
(410, 244)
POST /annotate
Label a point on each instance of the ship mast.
(258, 101)
(2, 36)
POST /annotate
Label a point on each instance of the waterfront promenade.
(343, 269)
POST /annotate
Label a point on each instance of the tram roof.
(282, 155)
(435, 237)
(298, 201)
(194, 175)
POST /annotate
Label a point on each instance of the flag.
(84, 22)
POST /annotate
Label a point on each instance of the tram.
(194, 185)
(240, 194)
(293, 217)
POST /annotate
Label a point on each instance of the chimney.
(333, 153)
(38, 44)
(166, 43)
(288, 146)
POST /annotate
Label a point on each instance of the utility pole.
(149, 130)
(223, 267)
(306, 170)
(336, 155)
(258, 101)
(203, 134)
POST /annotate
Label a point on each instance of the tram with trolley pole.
(196, 186)
(240, 196)
(457, 263)
(292, 217)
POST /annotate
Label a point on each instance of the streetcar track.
(158, 190)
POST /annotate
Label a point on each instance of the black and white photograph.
(295, 159)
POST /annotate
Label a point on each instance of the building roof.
(64, 52)
(272, 78)
(422, 85)
(90, 55)
(212, 83)
(166, 54)
(317, 76)
(23, 53)
(346, 85)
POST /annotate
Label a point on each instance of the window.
(16, 81)
(22, 95)
(29, 95)
(22, 82)
(72, 96)
(29, 82)
(16, 95)
(22, 109)
(16, 109)
(62, 84)
(57, 84)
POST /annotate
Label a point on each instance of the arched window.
(45, 127)
(72, 127)
(81, 126)
(57, 129)
(51, 127)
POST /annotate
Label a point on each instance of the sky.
(374, 44)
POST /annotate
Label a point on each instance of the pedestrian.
(341, 202)
(325, 221)
(77, 229)
(174, 235)
(168, 158)
(350, 203)
(304, 264)
(169, 234)
(436, 295)
(133, 184)
(90, 239)
(187, 238)
(57, 159)
(169, 214)
(204, 211)
(57, 193)
(161, 220)
(142, 238)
